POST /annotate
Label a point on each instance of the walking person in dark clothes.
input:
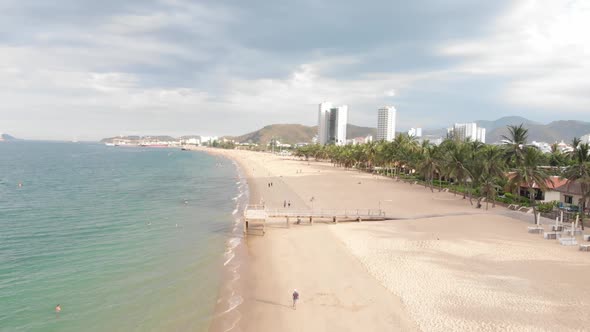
(295, 298)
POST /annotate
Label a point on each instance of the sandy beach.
(442, 266)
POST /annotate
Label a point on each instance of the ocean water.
(124, 239)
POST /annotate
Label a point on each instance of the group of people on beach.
(270, 184)
(287, 203)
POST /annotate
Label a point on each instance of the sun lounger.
(584, 247)
(550, 235)
(586, 237)
(535, 229)
(557, 228)
(568, 241)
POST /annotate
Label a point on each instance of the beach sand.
(443, 266)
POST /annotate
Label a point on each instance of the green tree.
(580, 172)
(515, 142)
(528, 172)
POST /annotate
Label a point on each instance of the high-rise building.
(332, 123)
(471, 131)
(324, 122)
(386, 123)
(415, 132)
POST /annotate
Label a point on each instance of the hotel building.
(386, 123)
(332, 123)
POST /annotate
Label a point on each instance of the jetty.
(257, 216)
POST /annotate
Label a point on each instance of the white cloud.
(542, 47)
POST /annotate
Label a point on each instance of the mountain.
(296, 133)
(353, 131)
(6, 137)
(555, 131)
(285, 133)
(550, 133)
(505, 121)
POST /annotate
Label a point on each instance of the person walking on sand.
(284, 203)
(295, 298)
(289, 204)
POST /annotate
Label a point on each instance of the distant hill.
(550, 133)
(353, 131)
(505, 121)
(286, 133)
(6, 137)
(296, 133)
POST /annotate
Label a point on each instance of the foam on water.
(230, 298)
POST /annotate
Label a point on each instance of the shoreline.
(226, 315)
(443, 265)
(255, 273)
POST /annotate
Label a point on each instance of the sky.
(86, 69)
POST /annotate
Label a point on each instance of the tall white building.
(324, 122)
(415, 132)
(386, 123)
(471, 131)
(585, 139)
(332, 123)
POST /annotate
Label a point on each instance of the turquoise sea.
(124, 239)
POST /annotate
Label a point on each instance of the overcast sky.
(88, 69)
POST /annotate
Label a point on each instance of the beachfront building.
(542, 146)
(208, 140)
(386, 123)
(465, 131)
(564, 148)
(415, 132)
(550, 194)
(360, 140)
(432, 139)
(570, 194)
(332, 122)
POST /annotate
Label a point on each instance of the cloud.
(541, 48)
(91, 69)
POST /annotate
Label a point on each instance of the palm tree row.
(471, 167)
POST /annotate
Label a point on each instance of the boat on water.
(110, 144)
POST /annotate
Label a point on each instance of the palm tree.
(492, 170)
(575, 143)
(429, 164)
(556, 158)
(528, 172)
(370, 150)
(456, 163)
(580, 172)
(515, 142)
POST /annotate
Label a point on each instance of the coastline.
(262, 309)
(444, 265)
